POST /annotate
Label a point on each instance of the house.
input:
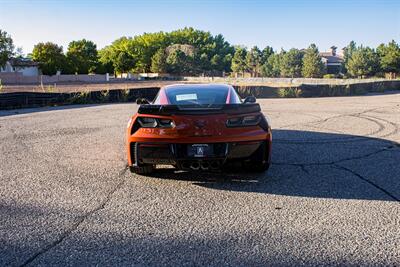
(24, 65)
(332, 61)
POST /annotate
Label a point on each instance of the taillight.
(251, 120)
(147, 122)
(166, 123)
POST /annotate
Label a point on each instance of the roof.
(330, 58)
(216, 86)
(22, 62)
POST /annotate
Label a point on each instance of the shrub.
(104, 96)
(125, 94)
(80, 98)
(329, 76)
(291, 92)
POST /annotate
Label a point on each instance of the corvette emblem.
(200, 150)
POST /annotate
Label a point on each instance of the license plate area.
(200, 150)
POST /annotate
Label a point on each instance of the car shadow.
(313, 164)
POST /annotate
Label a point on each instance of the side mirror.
(140, 101)
(250, 99)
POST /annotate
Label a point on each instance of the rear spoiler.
(199, 110)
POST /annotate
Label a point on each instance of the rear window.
(197, 96)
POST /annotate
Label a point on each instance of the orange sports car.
(198, 127)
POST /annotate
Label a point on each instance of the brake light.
(252, 120)
(147, 122)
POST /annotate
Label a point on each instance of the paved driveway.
(331, 196)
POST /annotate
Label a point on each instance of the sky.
(280, 24)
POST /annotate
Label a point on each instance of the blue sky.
(280, 24)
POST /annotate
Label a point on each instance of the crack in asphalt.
(378, 121)
(393, 146)
(337, 166)
(80, 220)
(383, 190)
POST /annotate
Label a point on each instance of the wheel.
(144, 169)
(259, 161)
(257, 166)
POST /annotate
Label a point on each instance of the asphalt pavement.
(331, 196)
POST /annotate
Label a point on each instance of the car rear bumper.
(177, 154)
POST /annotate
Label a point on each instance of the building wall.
(28, 71)
(7, 68)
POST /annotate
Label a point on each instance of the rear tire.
(257, 166)
(259, 161)
(144, 169)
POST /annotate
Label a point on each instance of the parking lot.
(331, 196)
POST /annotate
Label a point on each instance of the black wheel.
(257, 166)
(144, 169)
(259, 161)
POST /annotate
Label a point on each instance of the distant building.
(332, 61)
(24, 65)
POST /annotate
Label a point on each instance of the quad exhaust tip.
(203, 165)
(214, 165)
(195, 166)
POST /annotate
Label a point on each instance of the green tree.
(363, 62)
(6, 47)
(389, 56)
(239, 64)
(272, 67)
(181, 59)
(177, 62)
(216, 63)
(253, 61)
(50, 57)
(207, 53)
(313, 67)
(227, 62)
(82, 55)
(105, 59)
(159, 62)
(266, 53)
(204, 63)
(123, 62)
(291, 63)
(118, 56)
(347, 53)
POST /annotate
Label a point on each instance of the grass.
(80, 98)
(125, 94)
(290, 92)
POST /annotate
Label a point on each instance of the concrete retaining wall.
(280, 81)
(31, 99)
(18, 78)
